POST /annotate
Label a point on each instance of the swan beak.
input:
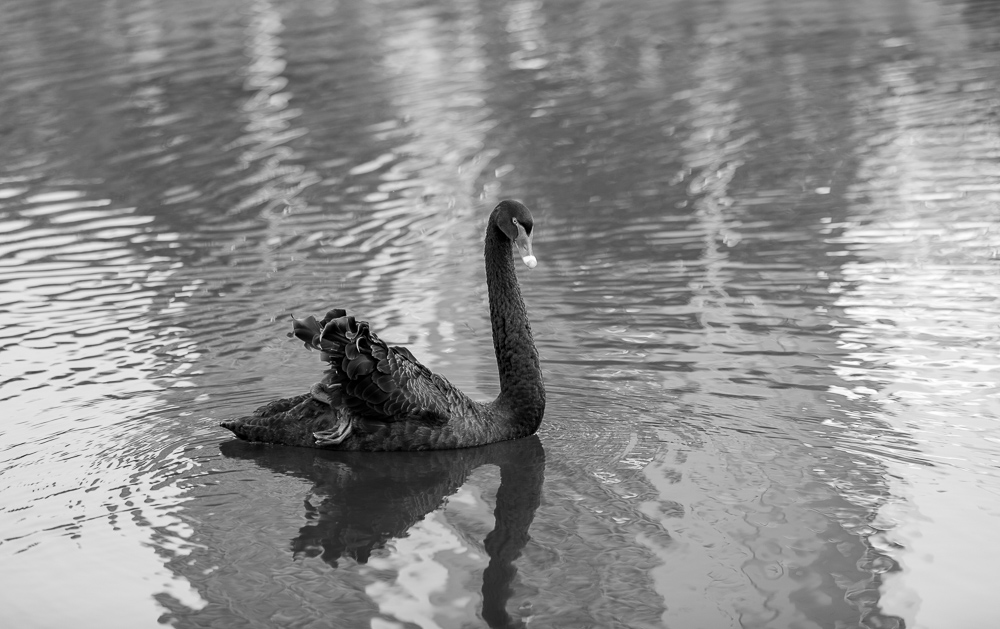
(523, 244)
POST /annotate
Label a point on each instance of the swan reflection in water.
(370, 499)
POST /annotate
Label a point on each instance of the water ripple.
(765, 303)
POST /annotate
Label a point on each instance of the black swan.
(378, 397)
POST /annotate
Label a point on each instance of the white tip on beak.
(522, 244)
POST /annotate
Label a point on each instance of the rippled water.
(767, 308)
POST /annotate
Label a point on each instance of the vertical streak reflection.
(269, 118)
(923, 299)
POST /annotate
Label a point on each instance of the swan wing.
(378, 382)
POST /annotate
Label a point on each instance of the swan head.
(516, 222)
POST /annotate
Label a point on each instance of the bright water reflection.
(766, 308)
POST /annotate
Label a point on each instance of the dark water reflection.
(358, 504)
(766, 308)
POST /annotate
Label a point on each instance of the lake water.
(767, 306)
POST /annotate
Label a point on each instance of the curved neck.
(521, 391)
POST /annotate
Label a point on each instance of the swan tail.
(291, 421)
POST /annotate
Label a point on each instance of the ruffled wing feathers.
(378, 382)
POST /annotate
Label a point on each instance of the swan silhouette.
(379, 397)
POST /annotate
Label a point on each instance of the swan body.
(379, 397)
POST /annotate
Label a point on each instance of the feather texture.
(374, 396)
(378, 382)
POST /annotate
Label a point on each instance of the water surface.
(766, 306)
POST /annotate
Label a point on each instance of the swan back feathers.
(378, 382)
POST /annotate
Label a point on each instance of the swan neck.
(521, 390)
